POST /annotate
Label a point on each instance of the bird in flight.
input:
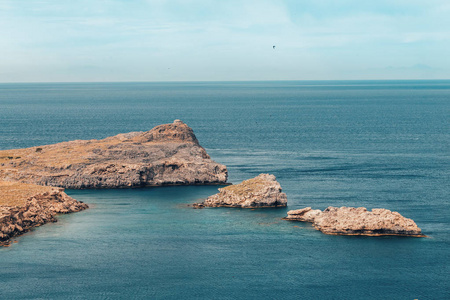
(273, 47)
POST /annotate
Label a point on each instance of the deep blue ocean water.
(330, 143)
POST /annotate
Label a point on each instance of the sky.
(232, 40)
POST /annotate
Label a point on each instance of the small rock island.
(261, 191)
(169, 154)
(356, 221)
(24, 206)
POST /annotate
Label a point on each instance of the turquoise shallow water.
(373, 144)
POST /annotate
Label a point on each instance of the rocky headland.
(261, 191)
(24, 206)
(168, 154)
(357, 221)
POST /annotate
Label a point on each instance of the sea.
(375, 144)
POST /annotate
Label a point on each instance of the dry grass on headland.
(16, 193)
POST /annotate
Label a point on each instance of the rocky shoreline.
(168, 154)
(31, 179)
(23, 213)
(261, 191)
(32, 182)
(356, 221)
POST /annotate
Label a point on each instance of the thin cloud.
(223, 40)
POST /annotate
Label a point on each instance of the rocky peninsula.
(168, 154)
(24, 206)
(261, 191)
(357, 221)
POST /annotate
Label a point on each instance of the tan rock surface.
(357, 221)
(166, 155)
(24, 206)
(261, 191)
(304, 215)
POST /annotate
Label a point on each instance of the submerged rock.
(357, 221)
(24, 206)
(168, 154)
(261, 191)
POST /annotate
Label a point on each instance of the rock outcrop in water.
(24, 206)
(357, 221)
(304, 215)
(261, 191)
(166, 155)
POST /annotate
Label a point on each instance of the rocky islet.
(356, 221)
(260, 191)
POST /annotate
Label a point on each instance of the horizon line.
(217, 81)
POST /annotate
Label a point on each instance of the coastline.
(31, 206)
(140, 243)
(168, 154)
(33, 179)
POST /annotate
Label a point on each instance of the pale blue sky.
(158, 40)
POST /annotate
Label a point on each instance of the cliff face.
(24, 206)
(261, 191)
(166, 155)
(357, 221)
